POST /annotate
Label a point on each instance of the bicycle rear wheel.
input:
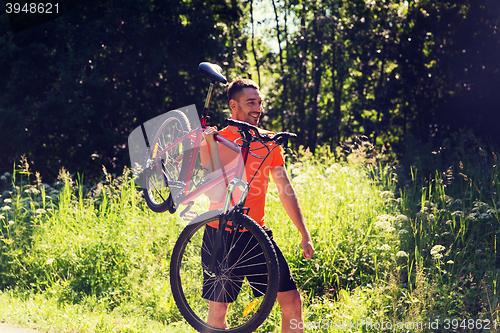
(174, 161)
(245, 259)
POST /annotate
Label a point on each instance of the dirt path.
(4, 328)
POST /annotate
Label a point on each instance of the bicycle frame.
(185, 196)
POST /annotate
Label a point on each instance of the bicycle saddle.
(212, 71)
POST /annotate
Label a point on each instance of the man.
(245, 102)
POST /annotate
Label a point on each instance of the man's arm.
(212, 168)
(292, 207)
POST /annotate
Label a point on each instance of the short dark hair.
(238, 85)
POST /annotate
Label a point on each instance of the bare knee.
(291, 308)
(290, 301)
(217, 314)
(296, 301)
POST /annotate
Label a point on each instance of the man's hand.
(209, 134)
(292, 207)
(308, 247)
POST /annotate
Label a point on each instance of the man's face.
(247, 106)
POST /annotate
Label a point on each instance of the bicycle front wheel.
(173, 161)
(244, 281)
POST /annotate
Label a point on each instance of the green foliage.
(73, 89)
(389, 70)
(352, 221)
(453, 223)
(82, 245)
(390, 247)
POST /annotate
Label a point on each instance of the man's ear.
(232, 105)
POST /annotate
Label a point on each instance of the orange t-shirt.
(256, 198)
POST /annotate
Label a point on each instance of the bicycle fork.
(224, 218)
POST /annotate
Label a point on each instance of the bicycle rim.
(171, 162)
(248, 251)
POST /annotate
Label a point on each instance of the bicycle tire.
(156, 193)
(186, 274)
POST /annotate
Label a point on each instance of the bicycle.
(211, 261)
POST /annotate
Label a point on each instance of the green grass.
(391, 247)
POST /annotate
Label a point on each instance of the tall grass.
(352, 218)
(452, 230)
(391, 246)
(102, 248)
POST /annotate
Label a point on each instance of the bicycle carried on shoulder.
(221, 256)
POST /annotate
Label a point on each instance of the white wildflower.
(4, 208)
(435, 251)
(402, 218)
(402, 254)
(384, 247)
(451, 262)
(387, 194)
(319, 216)
(300, 179)
(384, 222)
(479, 204)
(473, 216)
(7, 200)
(346, 170)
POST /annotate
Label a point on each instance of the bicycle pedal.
(190, 216)
(188, 207)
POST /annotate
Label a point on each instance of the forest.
(396, 73)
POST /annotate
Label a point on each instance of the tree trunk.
(254, 51)
(318, 71)
(337, 87)
(285, 88)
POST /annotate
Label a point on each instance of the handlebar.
(245, 128)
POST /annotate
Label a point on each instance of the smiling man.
(245, 102)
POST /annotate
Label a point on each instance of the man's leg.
(217, 314)
(291, 308)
